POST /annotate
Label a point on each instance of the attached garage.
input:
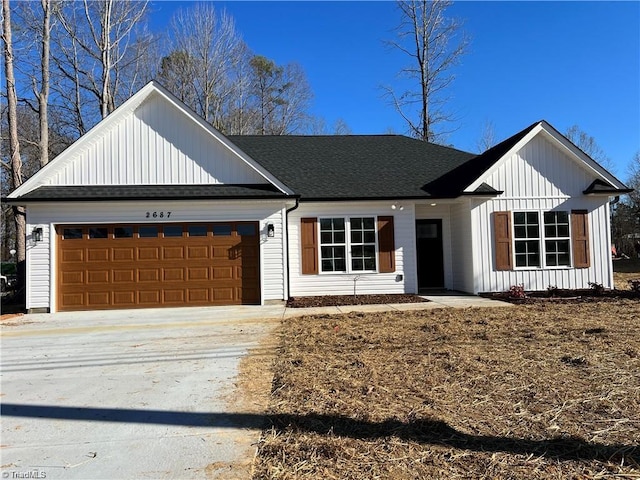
(153, 265)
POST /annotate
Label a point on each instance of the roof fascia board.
(60, 161)
(264, 173)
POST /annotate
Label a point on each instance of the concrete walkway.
(435, 301)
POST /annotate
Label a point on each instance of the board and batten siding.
(540, 177)
(154, 144)
(367, 283)
(462, 246)
(41, 257)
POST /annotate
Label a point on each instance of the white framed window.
(526, 234)
(539, 245)
(557, 239)
(348, 244)
(333, 245)
(363, 244)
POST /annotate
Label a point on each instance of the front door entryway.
(429, 254)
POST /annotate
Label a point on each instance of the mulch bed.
(544, 391)
(565, 296)
(336, 300)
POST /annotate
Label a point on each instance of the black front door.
(429, 252)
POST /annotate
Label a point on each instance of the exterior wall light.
(37, 234)
(271, 230)
(399, 207)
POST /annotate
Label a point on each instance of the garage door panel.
(123, 276)
(98, 299)
(173, 296)
(73, 300)
(148, 253)
(123, 254)
(198, 273)
(98, 277)
(197, 253)
(137, 269)
(223, 273)
(72, 255)
(72, 278)
(149, 275)
(124, 299)
(199, 295)
(173, 274)
(97, 254)
(223, 294)
(149, 297)
(172, 253)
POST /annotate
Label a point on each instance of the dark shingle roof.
(598, 186)
(150, 192)
(352, 167)
(459, 178)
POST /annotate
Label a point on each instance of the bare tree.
(99, 33)
(15, 164)
(588, 145)
(434, 45)
(206, 53)
(487, 137)
(36, 26)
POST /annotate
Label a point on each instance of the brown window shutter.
(386, 245)
(504, 245)
(309, 237)
(580, 239)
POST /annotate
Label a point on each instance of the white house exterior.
(153, 207)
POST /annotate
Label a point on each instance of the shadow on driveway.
(422, 430)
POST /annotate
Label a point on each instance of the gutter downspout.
(286, 223)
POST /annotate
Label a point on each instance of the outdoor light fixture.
(399, 207)
(271, 230)
(37, 234)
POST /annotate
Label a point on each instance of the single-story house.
(154, 207)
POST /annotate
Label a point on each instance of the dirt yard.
(537, 391)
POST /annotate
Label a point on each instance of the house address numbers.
(158, 215)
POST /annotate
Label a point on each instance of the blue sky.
(565, 62)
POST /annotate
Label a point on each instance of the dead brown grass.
(536, 391)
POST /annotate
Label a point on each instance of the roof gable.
(151, 139)
(542, 134)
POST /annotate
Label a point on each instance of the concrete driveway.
(128, 394)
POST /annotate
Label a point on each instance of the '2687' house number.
(158, 215)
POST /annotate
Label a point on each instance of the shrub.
(553, 291)
(597, 288)
(517, 291)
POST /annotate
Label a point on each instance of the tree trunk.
(43, 94)
(14, 144)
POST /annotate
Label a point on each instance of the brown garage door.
(177, 264)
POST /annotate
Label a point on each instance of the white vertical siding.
(540, 177)
(540, 170)
(154, 144)
(368, 283)
(493, 280)
(461, 247)
(41, 262)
